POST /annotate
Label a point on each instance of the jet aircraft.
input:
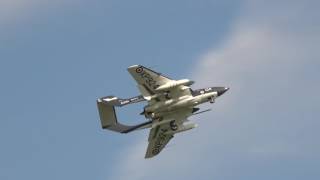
(169, 104)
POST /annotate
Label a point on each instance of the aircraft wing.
(161, 134)
(159, 137)
(149, 80)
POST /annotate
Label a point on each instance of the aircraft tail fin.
(108, 117)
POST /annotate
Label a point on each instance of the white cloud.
(269, 60)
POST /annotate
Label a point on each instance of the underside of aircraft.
(169, 104)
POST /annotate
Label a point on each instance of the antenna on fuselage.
(207, 110)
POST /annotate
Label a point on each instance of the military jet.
(169, 104)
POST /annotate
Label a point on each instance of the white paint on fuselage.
(179, 103)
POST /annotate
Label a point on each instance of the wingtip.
(148, 156)
(134, 66)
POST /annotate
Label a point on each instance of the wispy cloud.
(15, 10)
(267, 119)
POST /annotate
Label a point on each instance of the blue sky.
(57, 58)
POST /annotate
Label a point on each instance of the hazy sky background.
(57, 58)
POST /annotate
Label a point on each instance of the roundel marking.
(139, 70)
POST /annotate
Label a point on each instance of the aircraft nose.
(222, 91)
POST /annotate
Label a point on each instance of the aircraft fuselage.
(198, 97)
